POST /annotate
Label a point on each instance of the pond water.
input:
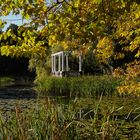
(12, 96)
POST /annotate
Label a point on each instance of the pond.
(113, 114)
(12, 96)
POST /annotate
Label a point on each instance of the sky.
(13, 19)
(16, 19)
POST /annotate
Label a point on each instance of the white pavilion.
(60, 64)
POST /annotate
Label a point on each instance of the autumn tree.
(109, 27)
(31, 40)
(123, 46)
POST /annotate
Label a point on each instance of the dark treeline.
(14, 66)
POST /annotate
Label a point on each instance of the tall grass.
(79, 86)
(72, 121)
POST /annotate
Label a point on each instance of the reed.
(78, 86)
(77, 119)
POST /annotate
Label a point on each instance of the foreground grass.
(77, 119)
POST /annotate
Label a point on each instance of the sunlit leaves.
(24, 43)
(72, 26)
(2, 24)
(104, 49)
(131, 85)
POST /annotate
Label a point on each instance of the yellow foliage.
(104, 49)
(118, 72)
(130, 88)
(131, 84)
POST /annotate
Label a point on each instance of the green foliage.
(78, 86)
(25, 42)
(90, 64)
(76, 24)
(122, 44)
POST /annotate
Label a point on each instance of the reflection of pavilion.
(60, 64)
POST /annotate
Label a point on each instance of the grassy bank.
(6, 81)
(78, 119)
(79, 86)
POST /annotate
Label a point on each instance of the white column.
(80, 63)
(62, 61)
(67, 63)
(52, 64)
(59, 65)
